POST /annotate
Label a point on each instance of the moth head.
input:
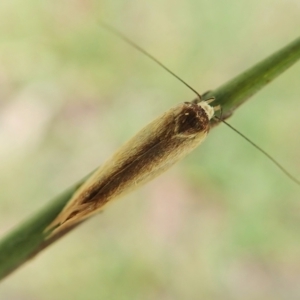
(210, 110)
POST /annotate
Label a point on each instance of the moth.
(153, 150)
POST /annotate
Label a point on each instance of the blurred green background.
(222, 224)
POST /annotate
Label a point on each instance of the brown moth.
(150, 152)
(154, 149)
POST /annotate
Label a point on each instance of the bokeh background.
(222, 224)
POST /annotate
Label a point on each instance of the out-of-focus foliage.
(222, 224)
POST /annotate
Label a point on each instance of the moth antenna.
(272, 159)
(137, 47)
